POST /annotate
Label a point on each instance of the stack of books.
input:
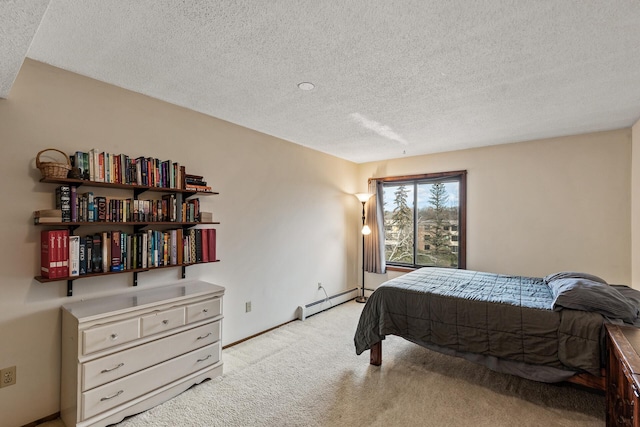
(45, 216)
(196, 183)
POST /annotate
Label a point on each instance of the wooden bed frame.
(585, 379)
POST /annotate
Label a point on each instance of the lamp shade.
(363, 197)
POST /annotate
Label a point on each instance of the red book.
(47, 254)
(205, 245)
(211, 240)
(63, 261)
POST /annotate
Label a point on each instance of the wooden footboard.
(586, 380)
(591, 381)
(375, 354)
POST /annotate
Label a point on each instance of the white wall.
(288, 217)
(635, 205)
(539, 207)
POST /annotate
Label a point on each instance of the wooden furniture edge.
(375, 354)
(590, 380)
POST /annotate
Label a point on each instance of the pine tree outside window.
(425, 220)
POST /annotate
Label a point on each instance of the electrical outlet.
(8, 376)
(247, 306)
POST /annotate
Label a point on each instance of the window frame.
(461, 177)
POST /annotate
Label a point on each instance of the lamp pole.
(363, 197)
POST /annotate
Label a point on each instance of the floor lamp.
(363, 197)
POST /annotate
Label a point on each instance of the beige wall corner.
(635, 205)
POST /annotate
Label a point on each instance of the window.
(423, 215)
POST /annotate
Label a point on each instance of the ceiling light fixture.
(306, 86)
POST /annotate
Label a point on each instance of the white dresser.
(124, 354)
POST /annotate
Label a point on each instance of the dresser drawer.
(161, 321)
(118, 365)
(110, 395)
(204, 310)
(109, 335)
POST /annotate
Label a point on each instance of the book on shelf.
(48, 254)
(47, 220)
(96, 254)
(198, 188)
(47, 216)
(60, 254)
(73, 204)
(90, 215)
(74, 256)
(106, 250)
(198, 245)
(82, 256)
(89, 253)
(205, 245)
(100, 203)
(116, 250)
(179, 246)
(63, 201)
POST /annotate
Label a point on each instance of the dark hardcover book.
(133, 249)
(88, 241)
(86, 172)
(97, 253)
(182, 176)
(91, 208)
(116, 250)
(73, 204)
(198, 245)
(101, 208)
(179, 246)
(83, 255)
(63, 202)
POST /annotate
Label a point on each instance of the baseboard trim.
(294, 320)
(43, 420)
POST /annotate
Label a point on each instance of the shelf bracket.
(135, 278)
(184, 272)
(69, 288)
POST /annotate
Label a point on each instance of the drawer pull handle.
(206, 310)
(114, 337)
(165, 322)
(202, 360)
(104, 371)
(112, 396)
(203, 336)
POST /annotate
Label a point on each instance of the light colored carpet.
(307, 374)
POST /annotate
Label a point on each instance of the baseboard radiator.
(326, 303)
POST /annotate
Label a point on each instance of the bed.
(547, 329)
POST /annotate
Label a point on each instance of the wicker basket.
(53, 169)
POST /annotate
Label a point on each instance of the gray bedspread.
(499, 316)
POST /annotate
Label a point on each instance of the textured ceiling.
(392, 78)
